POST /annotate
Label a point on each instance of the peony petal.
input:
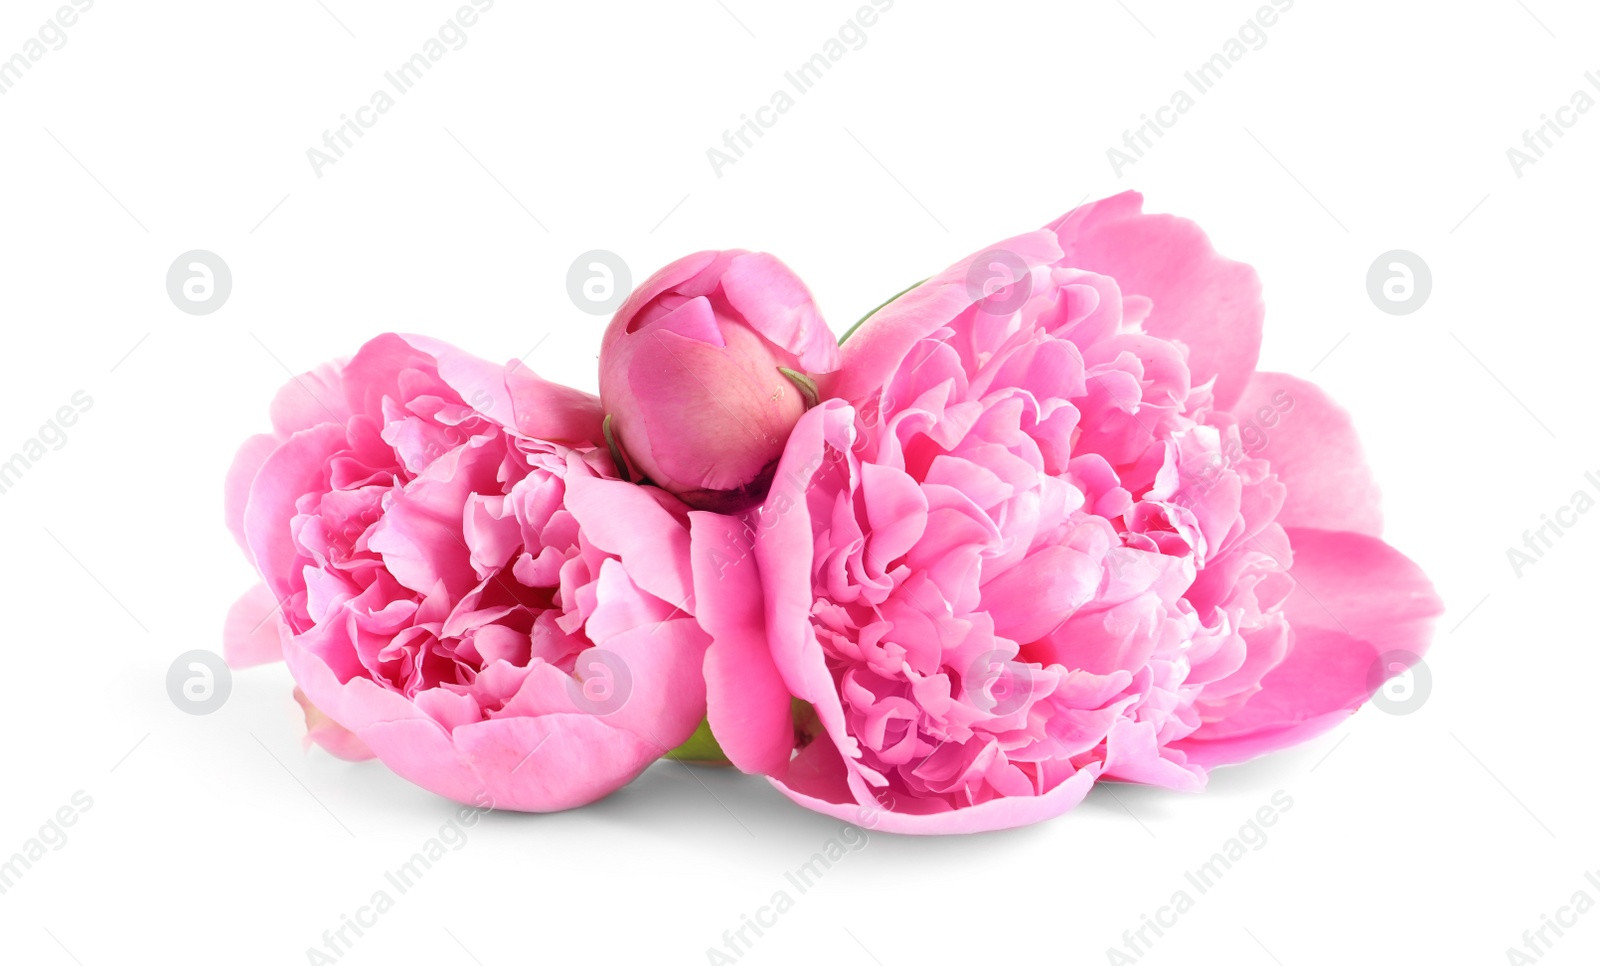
(309, 399)
(1032, 598)
(783, 558)
(550, 411)
(1207, 302)
(779, 306)
(551, 762)
(1355, 598)
(747, 703)
(1134, 754)
(328, 733)
(626, 520)
(817, 781)
(668, 277)
(294, 469)
(236, 490)
(412, 744)
(870, 355)
(250, 633)
(666, 697)
(480, 383)
(1312, 446)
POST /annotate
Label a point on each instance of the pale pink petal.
(1313, 449)
(236, 490)
(329, 734)
(1356, 598)
(817, 782)
(1207, 302)
(250, 633)
(295, 468)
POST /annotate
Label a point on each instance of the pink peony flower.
(459, 583)
(706, 368)
(1047, 534)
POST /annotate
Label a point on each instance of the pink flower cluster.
(1040, 523)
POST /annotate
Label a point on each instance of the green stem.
(851, 331)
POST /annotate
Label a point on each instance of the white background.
(1360, 127)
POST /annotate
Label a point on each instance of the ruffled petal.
(1312, 446)
(1207, 302)
(1355, 599)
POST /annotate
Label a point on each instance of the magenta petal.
(1356, 598)
(1313, 449)
(1207, 302)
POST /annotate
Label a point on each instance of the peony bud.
(704, 371)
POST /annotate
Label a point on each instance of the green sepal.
(701, 748)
